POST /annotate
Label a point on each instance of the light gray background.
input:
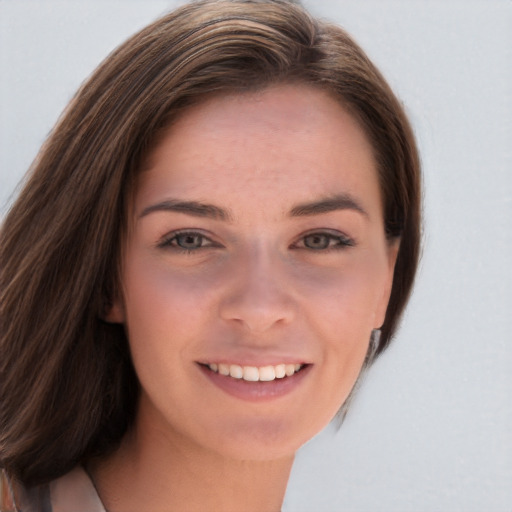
(431, 429)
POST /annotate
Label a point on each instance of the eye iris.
(189, 241)
(316, 241)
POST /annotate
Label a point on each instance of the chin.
(265, 439)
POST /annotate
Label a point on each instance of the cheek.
(340, 307)
(340, 318)
(163, 307)
(166, 312)
(343, 298)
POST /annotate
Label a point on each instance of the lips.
(256, 373)
(256, 383)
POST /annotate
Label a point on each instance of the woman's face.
(257, 249)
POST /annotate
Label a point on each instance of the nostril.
(258, 295)
(257, 312)
(256, 316)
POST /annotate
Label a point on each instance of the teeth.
(223, 368)
(289, 369)
(280, 370)
(254, 373)
(251, 373)
(267, 373)
(235, 371)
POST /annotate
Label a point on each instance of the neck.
(163, 474)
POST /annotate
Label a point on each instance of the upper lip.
(244, 356)
(257, 361)
(257, 364)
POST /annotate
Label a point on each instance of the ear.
(382, 306)
(113, 312)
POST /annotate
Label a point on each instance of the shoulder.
(73, 491)
(16, 497)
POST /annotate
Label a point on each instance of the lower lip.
(257, 391)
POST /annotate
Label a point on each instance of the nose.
(259, 296)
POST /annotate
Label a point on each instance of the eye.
(317, 241)
(187, 241)
(322, 241)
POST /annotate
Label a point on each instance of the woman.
(220, 233)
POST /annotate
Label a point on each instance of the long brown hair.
(68, 389)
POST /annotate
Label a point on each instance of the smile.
(257, 383)
(254, 373)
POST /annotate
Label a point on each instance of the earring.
(370, 356)
(374, 346)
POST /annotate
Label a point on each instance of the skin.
(254, 287)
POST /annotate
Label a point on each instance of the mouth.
(266, 373)
(256, 383)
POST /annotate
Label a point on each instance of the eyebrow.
(330, 204)
(198, 209)
(194, 208)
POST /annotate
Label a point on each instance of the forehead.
(285, 144)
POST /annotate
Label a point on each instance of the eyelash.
(170, 241)
(341, 242)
